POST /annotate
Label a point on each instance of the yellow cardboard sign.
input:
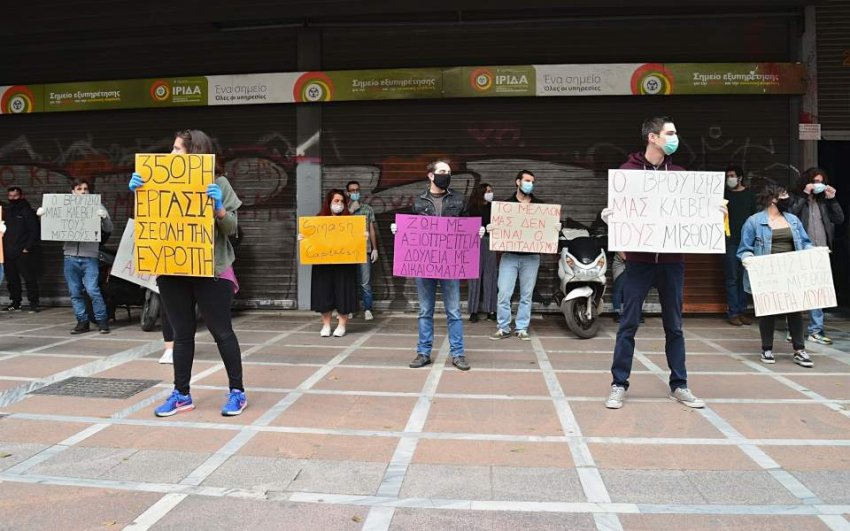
(332, 239)
(175, 229)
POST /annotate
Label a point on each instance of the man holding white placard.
(665, 210)
(518, 263)
(82, 269)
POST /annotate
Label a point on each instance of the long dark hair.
(808, 176)
(197, 142)
(477, 204)
(326, 205)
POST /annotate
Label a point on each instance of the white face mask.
(337, 208)
(732, 182)
(488, 196)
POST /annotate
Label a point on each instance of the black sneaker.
(616, 317)
(34, 308)
(473, 318)
(14, 307)
(460, 363)
(103, 326)
(491, 316)
(419, 361)
(81, 328)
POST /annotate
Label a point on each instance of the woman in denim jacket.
(775, 230)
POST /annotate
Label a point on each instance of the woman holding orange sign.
(334, 286)
(213, 295)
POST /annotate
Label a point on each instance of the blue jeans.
(1, 273)
(669, 280)
(82, 274)
(364, 276)
(427, 290)
(736, 297)
(511, 266)
(815, 321)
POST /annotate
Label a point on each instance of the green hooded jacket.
(226, 226)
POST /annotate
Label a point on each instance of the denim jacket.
(756, 238)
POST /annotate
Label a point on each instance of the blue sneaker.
(236, 403)
(175, 404)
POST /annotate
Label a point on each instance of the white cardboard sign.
(524, 227)
(791, 282)
(666, 211)
(123, 266)
(70, 218)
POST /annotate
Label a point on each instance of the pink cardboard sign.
(436, 247)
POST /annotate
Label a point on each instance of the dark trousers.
(25, 265)
(167, 329)
(669, 280)
(767, 324)
(213, 296)
(733, 272)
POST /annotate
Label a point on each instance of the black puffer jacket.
(22, 229)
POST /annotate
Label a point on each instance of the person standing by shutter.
(480, 205)
(815, 205)
(357, 207)
(21, 250)
(213, 296)
(741, 205)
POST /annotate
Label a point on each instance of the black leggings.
(167, 329)
(213, 296)
(767, 325)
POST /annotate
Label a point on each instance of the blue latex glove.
(214, 193)
(136, 181)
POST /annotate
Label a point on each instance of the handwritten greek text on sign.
(666, 211)
(70, 218)
(436, 247)
(524, 227)
(332, 239)
(123, 267)
(174, 217)
(791, 282)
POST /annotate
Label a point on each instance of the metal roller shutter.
(833, 49)
(569, 143)
(42, 152)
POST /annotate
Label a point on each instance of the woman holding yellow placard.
(334, 286)
(213, 295)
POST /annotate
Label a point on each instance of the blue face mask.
(526, 187)
(355, 196)
(671, 145)
(819, 188)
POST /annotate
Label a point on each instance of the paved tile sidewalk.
(340, 434)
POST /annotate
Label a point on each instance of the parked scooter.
(118, 292)
(581, 269)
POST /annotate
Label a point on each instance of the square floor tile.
(831, 387)
(670, 457)
(493, 453)
(810, 458)
(493, 383)
(636, 419)
(419, 519)
(598, 384)
(376, 379)
(159, 438)
(786, 421)
(34, 366)
(348, 412)
(315, 446)
(510, 417)
(37, 431)
(697, 522)
(759, 386)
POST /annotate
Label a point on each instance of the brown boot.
(735, 320)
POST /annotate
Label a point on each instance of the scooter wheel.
(575, 313)
(150, 311)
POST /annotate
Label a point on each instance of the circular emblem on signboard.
(313, 87)
(17, 100)
(160, 91)
(481, 79)
(652, 80)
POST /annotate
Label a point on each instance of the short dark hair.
(77, 181)
(16, 189)
(433, 164)
(737, 169)
(771, 191)
(350, 183)
(654, 125)
(520, 173)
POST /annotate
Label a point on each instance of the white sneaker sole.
(767, 361)
(695, 405)
(234, 413)
(190, 407)
(613, 405)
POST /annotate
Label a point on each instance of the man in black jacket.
(20, 249)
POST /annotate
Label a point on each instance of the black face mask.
(442, 180)
(14, 201)
(782, 204)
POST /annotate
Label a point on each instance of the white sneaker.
(767, 357)
(367, 315)
(167, 356)
(339, 332)
(684, 395)
(351, 316)
(326, 331)
(616, 398)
